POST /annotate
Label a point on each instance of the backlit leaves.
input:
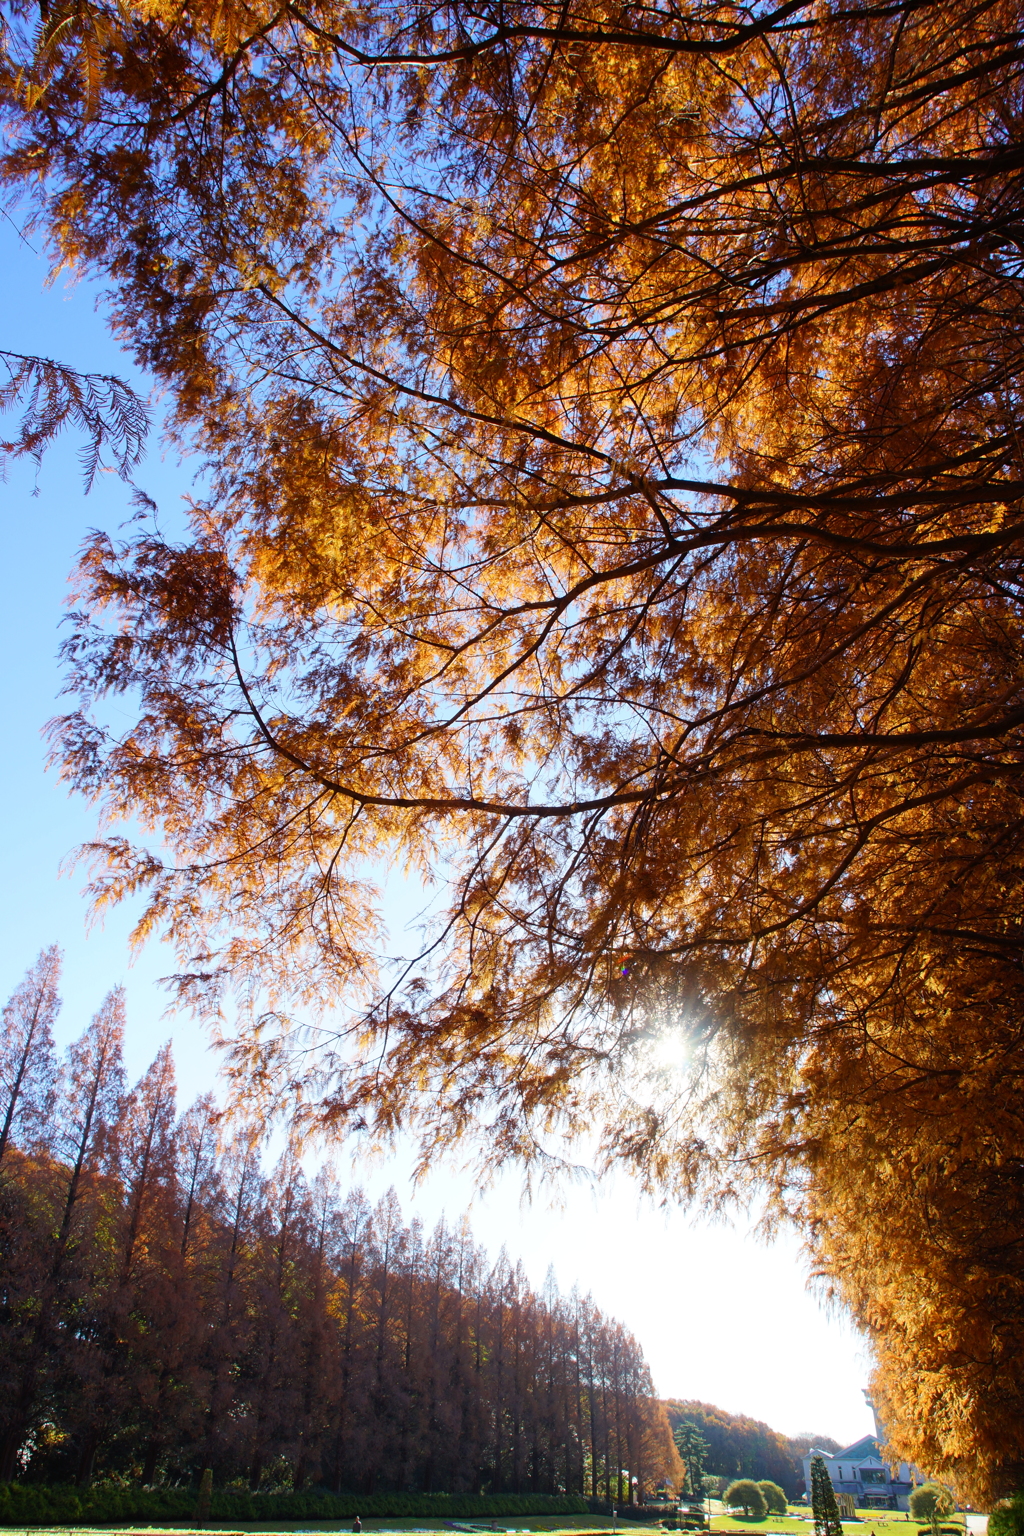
(613, 424)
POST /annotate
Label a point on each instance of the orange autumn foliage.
(613, 428)
(170, 1306)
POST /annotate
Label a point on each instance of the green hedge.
(28, 1504)
(649, 1513)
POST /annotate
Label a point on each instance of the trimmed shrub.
(643, 1512)
(929, 1500)
(745, 1494)
(774, 1496)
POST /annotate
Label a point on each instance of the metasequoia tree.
(201, 1318)
(611, 419)
(27, 1067)
(52, 396)
(56, 1327)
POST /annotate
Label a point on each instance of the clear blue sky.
(720, 1316)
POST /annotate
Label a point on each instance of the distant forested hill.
(742, 1447)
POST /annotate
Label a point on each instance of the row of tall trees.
(168, 1306)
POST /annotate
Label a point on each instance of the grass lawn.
(870, 1522)
(774, 1525)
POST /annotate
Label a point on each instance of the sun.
(671, 1051)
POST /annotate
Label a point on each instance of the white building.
(859, 1470)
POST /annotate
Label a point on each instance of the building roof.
(865, 1449)
(861, 1450)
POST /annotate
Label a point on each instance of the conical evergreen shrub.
(823, 1501)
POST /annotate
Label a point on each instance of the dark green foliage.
(653, 1514)
(205, 1496)
(827, 1521)
(692, 1445)
(929, 1501)
(774, 1496)
(30, 1504)
(745, 1494)
(1008, 1518)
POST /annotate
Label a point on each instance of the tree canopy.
(611, 423)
